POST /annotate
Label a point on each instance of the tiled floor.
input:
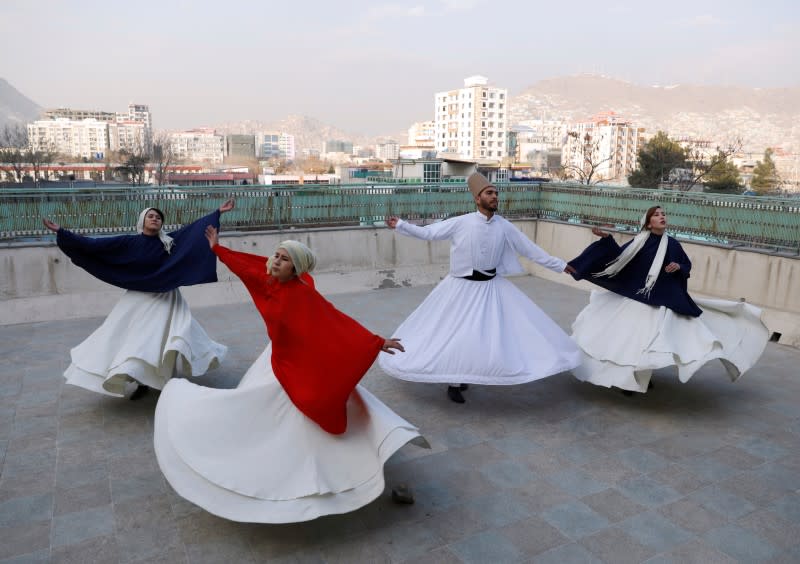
(553, 471)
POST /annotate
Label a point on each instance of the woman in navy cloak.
(150, 334)
(647, 320)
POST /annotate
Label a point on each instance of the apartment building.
(92, 133)
(472, 122)
(198, 145)
(605, 145)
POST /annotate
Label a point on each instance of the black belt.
(481, 276)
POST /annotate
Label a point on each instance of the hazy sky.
(372, 66)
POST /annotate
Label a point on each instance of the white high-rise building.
(79, 138)
(198, 145)
(92, 133)
(387, 151)
(287, 147)
(472, 122)
(606, 146)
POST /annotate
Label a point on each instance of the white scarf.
(631, 250)
(166, 240)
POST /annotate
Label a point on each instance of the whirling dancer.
(150, 334)
(647, 319)
(298, 438)
(476, 327)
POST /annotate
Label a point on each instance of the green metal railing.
(771, 223)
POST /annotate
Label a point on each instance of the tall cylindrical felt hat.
(477, 183)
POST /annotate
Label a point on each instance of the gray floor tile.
(575, 519)
(722, 501)
(740, 544)
(72, 528)
(24, 539)
(613, 505)
(576, 482)
(567, 554)
(614, 545)
(647, 491)
(99, 550)
(533, 536)
(488, 546)
(655, 531)
(29, 509)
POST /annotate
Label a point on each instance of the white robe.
(644, 338)
(248, 454)
(146, 339)
(480, 332)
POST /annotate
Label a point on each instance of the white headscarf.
(166, 240)
(302, 257)
(631, 250)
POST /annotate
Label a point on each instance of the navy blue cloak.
(139, 262)
(670, 289)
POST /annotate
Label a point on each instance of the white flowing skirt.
(623, 340)
(248, 454)
(480, 332)
(147, 338)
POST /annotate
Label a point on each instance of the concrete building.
(87, 138)
(422, 134)
(471, 122)
(93, 133)
(275, 145)
(604, 146)
(198, 145)
(243, 146)
(387, 151)
(337, 146)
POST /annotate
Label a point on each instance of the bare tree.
(18, 153)
(41, 155)
(586, 160)
(700, 164)
(163, 157)
(13, 146)
(133, 162)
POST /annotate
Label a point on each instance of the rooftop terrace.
(555, 471)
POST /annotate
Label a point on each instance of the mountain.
(761, 117)
(15, 107)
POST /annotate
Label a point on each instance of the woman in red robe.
(298, 438)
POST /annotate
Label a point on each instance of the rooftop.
(552, 471)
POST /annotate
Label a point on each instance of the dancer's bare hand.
(390, 344)
(229, 204)
(599, 232)
(391, 221)
(672, 267)
(569, 270)
(212, 235)
(51, 225)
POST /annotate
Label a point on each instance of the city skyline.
(368, 67)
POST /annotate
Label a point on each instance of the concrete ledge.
(38, 283)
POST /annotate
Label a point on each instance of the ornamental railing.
(761, 222)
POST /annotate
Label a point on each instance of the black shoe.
(139, 393)
(454, 393)
(463, 387)
(626, 393)
(401, 493)
(650, 385)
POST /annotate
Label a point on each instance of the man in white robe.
(476, 327)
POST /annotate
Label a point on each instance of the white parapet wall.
(39, 283)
